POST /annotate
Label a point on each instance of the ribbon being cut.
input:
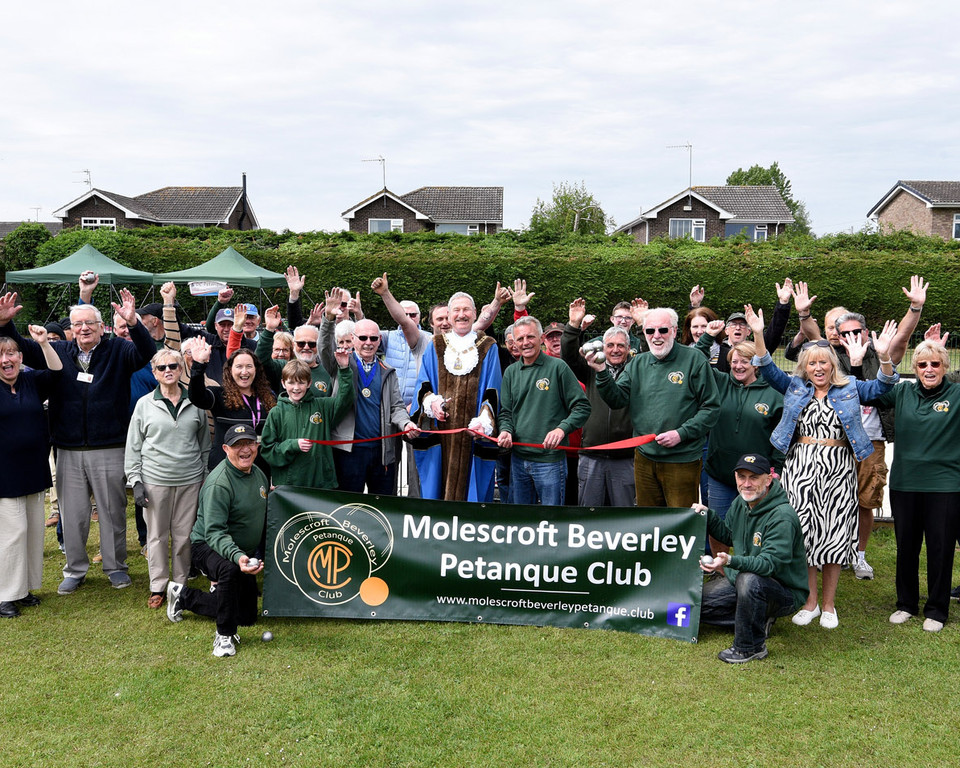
(632, 442)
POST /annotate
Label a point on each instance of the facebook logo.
(678, 614)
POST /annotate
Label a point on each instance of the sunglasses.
(343, 303)
(928, 363)
(819, 343)
(302, 344)
(168, 367)
(852, 330)
(661, 331)
(368, 338)
(413, 314)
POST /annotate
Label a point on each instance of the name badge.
(85, 377)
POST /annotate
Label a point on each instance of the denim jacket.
(845, 401)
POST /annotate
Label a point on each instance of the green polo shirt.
(536, 399)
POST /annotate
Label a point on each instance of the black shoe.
(732, 656)
(769, 627)
(9, 611)
(955, 592)
(29, 601)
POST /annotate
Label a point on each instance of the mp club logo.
(331, 557)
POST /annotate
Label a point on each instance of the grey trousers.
(606, 482)
(169, 516)
(100, 472)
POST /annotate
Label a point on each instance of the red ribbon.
(632, 442)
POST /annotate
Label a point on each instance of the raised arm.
(488, 313)
(411, 331)
(918, 297)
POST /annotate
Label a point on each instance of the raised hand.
(520, 296)
(380, 285)
(578, 309)
(754, 319)
(881, 343)
(169, 292)
(127, 309)
(224, 295)
(332, 300)
(316, 315)
(201, 351)
(38, 333)
(9, 307)
(785, 292)
(272, 319)
(696, 296)
(715, 328)
(802, 299)
(501, 294)
(933, 334)
(353, 305)
(239, 317)
(918, 291)
(294, 282)
(638, 309)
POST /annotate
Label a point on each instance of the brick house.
(703, 213)
(925, 207)
(223, 207)
(462, 210)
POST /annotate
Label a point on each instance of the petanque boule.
(267, 636)
(253, 562)
(600, 357)
(706, 560)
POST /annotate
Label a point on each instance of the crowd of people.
(201, 423)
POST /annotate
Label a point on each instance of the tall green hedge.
(862, 271)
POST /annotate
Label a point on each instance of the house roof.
(458, 203)
(732, 203)
(749, 203)
(173, 205)
(935, 194)
(445, 204)
(6, 227)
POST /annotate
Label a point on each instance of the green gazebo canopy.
(227, 267)
(68, 270)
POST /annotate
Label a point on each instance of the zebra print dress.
(821, 483)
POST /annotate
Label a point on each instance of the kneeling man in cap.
(230, 519)
(766, 576)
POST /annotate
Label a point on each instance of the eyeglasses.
(622, 318)
(921, 364)
(302, 344)
(662, 331)
(413, 314)
(88, 323)
(168, 367)
(819, 343)
(368, 338)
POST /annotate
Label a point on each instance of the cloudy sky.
(847, 96)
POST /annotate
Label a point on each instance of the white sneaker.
(223, 646)
(829, 620)
(804, 617)
(862, 569)
(900, 617)
(174, 608)
(932, 625)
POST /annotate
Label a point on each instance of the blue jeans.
(720, 496)
(745, 607)
(537, 482)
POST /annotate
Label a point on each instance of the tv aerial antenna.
(689, 147)
(86, 180)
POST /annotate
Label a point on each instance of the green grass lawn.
(98, 679)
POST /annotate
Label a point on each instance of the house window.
(956, 226)
(459, 229)
(384, 225)
(760, 232)
(95, 223)
(694, 228)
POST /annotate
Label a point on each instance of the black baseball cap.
(239, 432)
(753, 462)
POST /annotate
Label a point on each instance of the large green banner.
(348, 555)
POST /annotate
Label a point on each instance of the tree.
(19, 251)
(572, 209)
(758, 176)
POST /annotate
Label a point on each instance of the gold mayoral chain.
(460, 362)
